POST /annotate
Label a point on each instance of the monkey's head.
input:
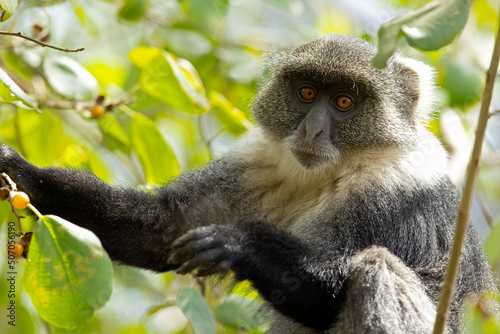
(327, 101)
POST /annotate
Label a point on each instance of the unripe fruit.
(97, 111)
(20, 200)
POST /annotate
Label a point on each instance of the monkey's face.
(326, 102)
(320, 107)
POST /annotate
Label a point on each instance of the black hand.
(210, 249)
(300, 280)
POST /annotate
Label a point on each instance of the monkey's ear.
(416, 81)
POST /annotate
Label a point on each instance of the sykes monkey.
(337, 207)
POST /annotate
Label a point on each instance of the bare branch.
(6, 180)
(443, 308)
(18, 34)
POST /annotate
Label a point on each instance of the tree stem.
(18, 34)
(445, 299)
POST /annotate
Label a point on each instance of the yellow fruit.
(18, 249)
(20, 200)
(97, 111)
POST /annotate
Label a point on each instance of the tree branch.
(443, 308)
(5, 180)
(18, 34)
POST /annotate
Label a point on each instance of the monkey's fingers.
(199, 233)
(187, 251)
(205, 259)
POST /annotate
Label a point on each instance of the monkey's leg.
(384, 296)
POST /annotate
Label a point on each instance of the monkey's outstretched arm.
(303, 282)
(135, 227)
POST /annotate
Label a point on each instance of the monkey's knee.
(384, 296)
(376, 259)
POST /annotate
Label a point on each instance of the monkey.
(336, 206)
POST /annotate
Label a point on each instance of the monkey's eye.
(344, 102)
(307, 94)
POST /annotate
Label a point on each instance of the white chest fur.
(287, 194)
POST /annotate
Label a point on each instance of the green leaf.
(439, 26)
(16, 64)
(463, 81)
(106, 73)
(10, 91)
(492, 247)
(70, 79)
(98, 167)
(68, 274)
(6, 94)
(132, 10)
(196, 309)
(239, 312)
(234, 119)
(245, 289)
(156, 157)
(114, 136)
(6, 214)
(428, 28)
(42, 135)
(176, 86)
(7, 8)
(478, 316)
(142, 55)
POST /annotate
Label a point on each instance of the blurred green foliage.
(175, 80)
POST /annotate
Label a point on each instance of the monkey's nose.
(312, 134)
(317, 124)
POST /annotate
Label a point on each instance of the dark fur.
(364, 258)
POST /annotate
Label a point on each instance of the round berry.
(20, 200)
(97, 111)
(15, 247)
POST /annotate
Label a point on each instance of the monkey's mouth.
(312, 157)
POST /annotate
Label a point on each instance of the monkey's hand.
(301, 280)
(210, 249)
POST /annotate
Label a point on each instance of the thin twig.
(128, 98)
(63, 105)
(494, 112)
(202, 283)
(155, 308)
(18, 217)
(486, 214)
(215, 135)
(8, 182)
(13, 187)
(201, 130)
(443, 308)
(18, 34)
